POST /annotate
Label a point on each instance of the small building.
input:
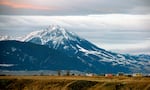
(108, 75)
(129, 75)
(137, 75)
(89, 74)
(146, 75)
(120, 74)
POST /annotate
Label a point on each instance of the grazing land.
(73, 83)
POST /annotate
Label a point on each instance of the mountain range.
(55, 48)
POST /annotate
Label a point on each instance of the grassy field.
(73, 83)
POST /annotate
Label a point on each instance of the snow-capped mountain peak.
(58, 31)
(54, 27)
(53, 33)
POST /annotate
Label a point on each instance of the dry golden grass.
(73, 83)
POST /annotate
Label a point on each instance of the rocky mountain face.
(16, 55)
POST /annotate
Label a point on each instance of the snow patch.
(87, 51)
(6, 65)
(65, 47)
(81, 60)
(13, 49)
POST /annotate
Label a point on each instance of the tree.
(59, 73)
(68, 73)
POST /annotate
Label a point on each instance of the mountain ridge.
(72, 45)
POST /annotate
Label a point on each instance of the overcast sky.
(73, 7)
(117, 25)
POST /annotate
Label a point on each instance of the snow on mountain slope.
(71, 44)
(59, 38)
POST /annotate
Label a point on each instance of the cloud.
(22, 6)
(123, 33)
(74, 7)
(140, 47)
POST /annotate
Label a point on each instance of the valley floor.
(73, 83)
